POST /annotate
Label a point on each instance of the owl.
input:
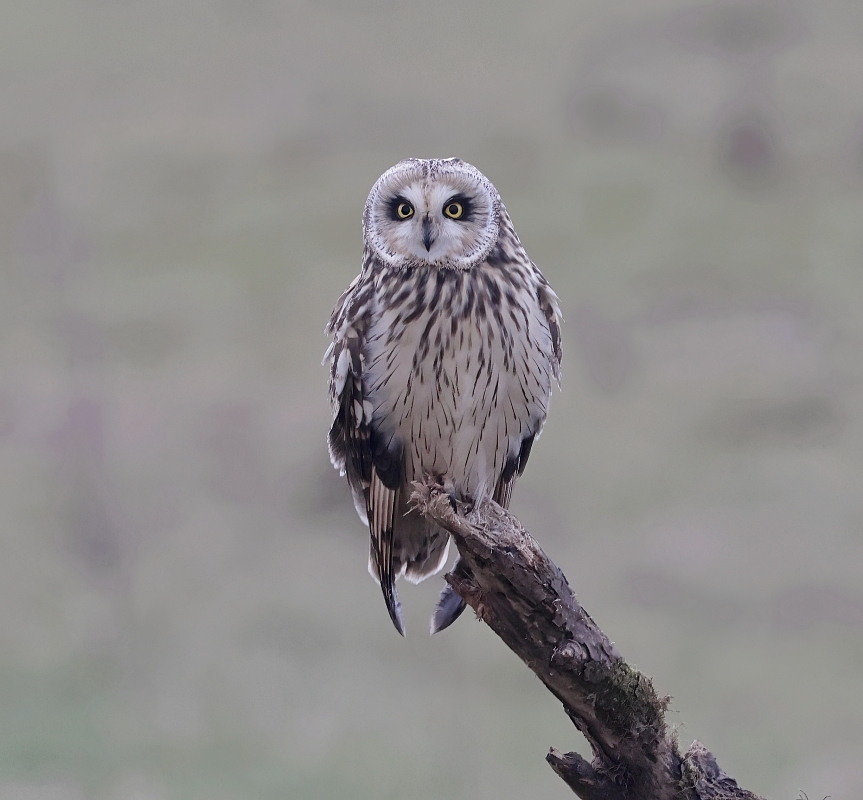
(444, 352)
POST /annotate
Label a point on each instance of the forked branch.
(525, 599)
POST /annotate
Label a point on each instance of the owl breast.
(458, 372)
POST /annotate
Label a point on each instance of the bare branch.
(525, 599)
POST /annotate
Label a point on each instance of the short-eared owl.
(445, 348)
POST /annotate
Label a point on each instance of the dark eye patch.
(397, 207)
(466, 204)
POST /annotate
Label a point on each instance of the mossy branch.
(526, 600)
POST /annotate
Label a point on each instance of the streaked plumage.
(445, 348)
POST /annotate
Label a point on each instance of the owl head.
(432, 212)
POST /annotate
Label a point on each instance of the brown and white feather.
(443, 370)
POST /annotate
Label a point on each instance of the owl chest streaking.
(444, 352)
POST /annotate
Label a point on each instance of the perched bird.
(443, 355)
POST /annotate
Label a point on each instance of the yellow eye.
(405, 210)
(453, 210)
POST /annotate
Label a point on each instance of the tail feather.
(394, 606)
(409, 546)
(420, 547)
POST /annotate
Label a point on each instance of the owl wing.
(514, 466)
(373, 477)
(512, 470)
(550, 307)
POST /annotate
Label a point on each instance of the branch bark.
(526, 600)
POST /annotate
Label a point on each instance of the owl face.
(432, 212)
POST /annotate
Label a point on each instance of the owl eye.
(404, 210)
(454, 210)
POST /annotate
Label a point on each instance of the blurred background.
(186, 607)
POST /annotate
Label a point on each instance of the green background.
(186, 611)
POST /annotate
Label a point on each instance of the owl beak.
(428, 239)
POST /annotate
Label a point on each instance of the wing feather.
(381, 510)
(513, 468)
(550, 307)
(354, 448)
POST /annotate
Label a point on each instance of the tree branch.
(525, 599)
